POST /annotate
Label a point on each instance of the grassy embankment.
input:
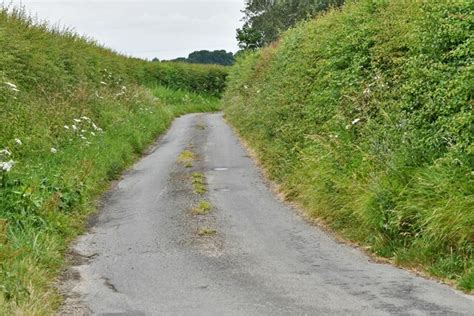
(365, 118)
(73, 115)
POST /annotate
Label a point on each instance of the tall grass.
(73, 115)
(365, 116)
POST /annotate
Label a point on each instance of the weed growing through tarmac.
(206, 232)
(186, 158)
(199, 183)
(203, 208)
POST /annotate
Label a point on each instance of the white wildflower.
(74, 127)
(66, 127)
(92, 133)
(12, 86)
(103, 83)
(83, 131)
(85, 118)
(54, 150)
(95, 127)
(83, 137)
(18, 141)
(7, 166)
(77, 120)
(5, 152)
(354, 122)
(246, 87)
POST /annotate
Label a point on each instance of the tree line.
(265, 20)
(217, 57)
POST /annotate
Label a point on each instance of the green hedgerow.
(365, 116)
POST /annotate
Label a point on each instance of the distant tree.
(181, 59)
(218, 57)
(265, 19)
(155, 59)
(249, 37)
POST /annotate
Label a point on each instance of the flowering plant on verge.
(6, 166)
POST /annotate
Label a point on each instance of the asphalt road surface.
(147, 253)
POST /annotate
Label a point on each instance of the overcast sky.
(147, 28)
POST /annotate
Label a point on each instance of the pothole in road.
(200, 126)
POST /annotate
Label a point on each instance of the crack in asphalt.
(143, 254)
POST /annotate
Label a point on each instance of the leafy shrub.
(365, 115)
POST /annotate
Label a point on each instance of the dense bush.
(72, 117)
(365, 116)
(209, 79)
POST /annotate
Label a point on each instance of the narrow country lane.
(149, 252)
